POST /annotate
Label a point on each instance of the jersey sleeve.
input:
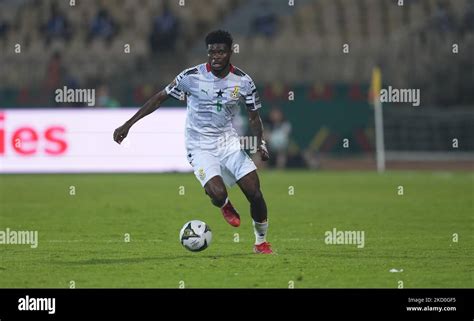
(250, 93)
(179, 86)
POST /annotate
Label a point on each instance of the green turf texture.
(82, 236)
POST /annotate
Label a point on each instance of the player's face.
(219, 56)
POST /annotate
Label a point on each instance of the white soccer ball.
(195, 235)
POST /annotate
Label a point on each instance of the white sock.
(226, 201)
(260, 230)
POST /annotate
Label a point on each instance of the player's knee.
(218, 195)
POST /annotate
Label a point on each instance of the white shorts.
(231, 165)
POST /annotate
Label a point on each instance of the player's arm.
(256, 126)
(252, 101)
(150, 106)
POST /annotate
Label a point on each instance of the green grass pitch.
(82, 236)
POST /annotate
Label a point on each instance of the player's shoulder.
(190, 71)
(243, 75)
(239, 72)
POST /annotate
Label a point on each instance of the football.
(195, 235)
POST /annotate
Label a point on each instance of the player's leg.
(250, 186)
(207, 169)
(217, 191)
(243, 170)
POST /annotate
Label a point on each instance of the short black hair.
(219, 36)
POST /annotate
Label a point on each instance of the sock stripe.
(226, 201)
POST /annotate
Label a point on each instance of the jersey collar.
(208, 68)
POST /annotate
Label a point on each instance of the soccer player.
(213, 91)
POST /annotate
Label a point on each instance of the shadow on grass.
(192, 256)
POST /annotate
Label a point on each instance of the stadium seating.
(307, 46)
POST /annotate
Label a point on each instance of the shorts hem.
(246, 172)
(204, 182)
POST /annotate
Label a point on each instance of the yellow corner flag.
(375, 85)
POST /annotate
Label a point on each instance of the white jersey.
(212, 102)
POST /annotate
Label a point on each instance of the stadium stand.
(404, 40)
(281, 46)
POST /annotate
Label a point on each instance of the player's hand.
(121, 132)
(263, 151)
